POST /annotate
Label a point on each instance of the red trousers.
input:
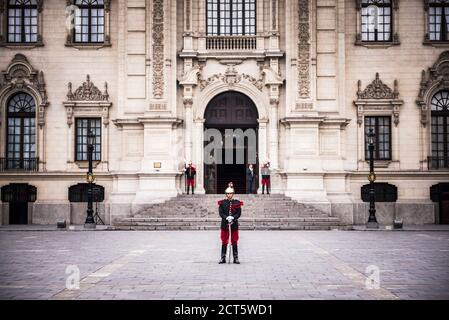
(191, 182)
(225, 236)
(265, 181)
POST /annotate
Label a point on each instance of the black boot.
(263, 189)
(193, 191)
(223, 253)
(235, 253)
(188, 188)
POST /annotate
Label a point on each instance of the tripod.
(97, 218)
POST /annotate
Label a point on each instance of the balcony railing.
(231, 43)
(437, 163)
(27, 164)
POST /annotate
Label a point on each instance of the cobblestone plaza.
(183, 265)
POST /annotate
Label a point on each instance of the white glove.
(230, 218)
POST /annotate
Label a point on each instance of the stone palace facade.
(148, 77)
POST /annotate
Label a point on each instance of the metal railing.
(26, 164)
(231, 43)
(434, 163)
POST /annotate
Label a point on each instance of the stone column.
(274, 133)
(199, 151)
(188, 128)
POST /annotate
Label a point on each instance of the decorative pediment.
(20, 75)
(378, 99)
(230, 77)
(87, 100)
(88, 92)
(377, 90)
(436, 78)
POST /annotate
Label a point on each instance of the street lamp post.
(90, 222)
(372, 221)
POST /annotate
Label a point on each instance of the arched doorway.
(232, 113)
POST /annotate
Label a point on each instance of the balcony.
(26, 165)
(435, 163)
(231, 43)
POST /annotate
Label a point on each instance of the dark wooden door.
(230, 110)
(18, 213)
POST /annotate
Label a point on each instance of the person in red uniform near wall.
(230, 211)
(190, 172)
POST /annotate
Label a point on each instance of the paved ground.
(183, 265)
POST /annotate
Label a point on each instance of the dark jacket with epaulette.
(236, 211)
(190, 172)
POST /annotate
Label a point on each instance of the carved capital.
(188, 102)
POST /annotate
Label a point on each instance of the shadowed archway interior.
(230, 110)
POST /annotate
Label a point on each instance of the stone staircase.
(260, 212)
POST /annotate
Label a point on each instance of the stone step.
(242, 220)
(191, 228)
(309, 223)
(200, 212)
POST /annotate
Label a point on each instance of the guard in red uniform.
(266, 177)
(190, 177)
(230, 211)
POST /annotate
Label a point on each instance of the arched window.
(438, 20)
(21, 132)
(440, 130)
(231, 17)
(89, 21)
(22, 21)
(376, 20)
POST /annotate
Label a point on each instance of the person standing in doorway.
(230, 211)
(190, 177)
(250, 178)
(266, 177)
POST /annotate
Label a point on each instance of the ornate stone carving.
(304, 49)
(188, 11)
(230, 77)
(158, 106)
(301, 106)
(87, 92)
(436, 78)
(188, 102)
(377, 90)
(191, 77)
(87, 100)
(158, 48)
(379, 99)
(20, 75)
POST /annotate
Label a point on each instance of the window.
(22, 21)
(21, 132)
(376, 20)
(440, 130)
(83, 126)
(438, 12)
(231, 17)
(89, 21)
(382, 137)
